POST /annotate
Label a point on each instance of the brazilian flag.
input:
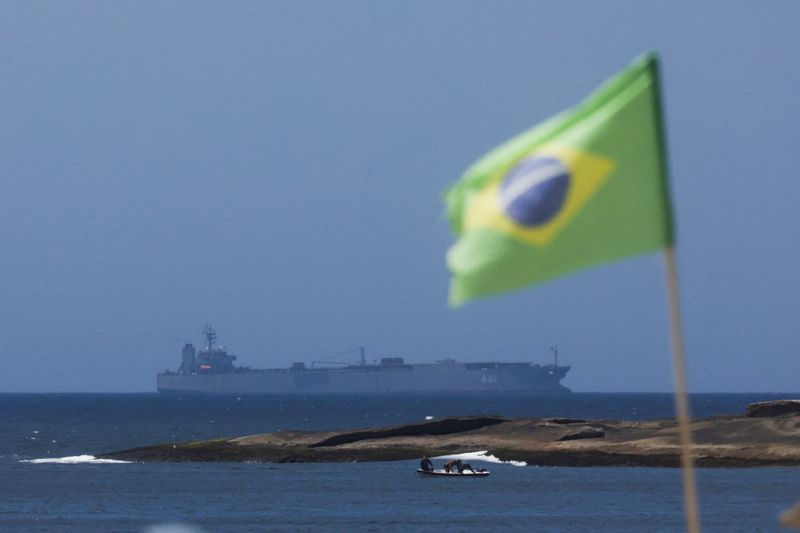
(585, 187)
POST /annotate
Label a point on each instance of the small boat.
(441, 473)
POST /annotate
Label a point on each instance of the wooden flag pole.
(681, 396)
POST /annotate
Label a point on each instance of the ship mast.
(208, 331)
(554, 349)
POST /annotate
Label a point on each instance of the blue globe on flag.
(534, 190)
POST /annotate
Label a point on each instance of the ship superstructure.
(211, 371)
(208, 360)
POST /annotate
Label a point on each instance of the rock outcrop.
(773, 408)
(723, 441)
(583, 433)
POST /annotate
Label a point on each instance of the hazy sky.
(276, 169)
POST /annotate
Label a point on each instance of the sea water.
(51, 480)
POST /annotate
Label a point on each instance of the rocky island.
(767, 435)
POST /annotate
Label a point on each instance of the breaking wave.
(482, 455)
(73, 460)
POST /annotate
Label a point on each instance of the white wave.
(173, 528)
(73, 460)
(481, 455)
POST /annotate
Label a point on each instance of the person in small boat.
(426, 465)
(451, 465)
(465, 466)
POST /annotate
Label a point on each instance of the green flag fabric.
(585, 187)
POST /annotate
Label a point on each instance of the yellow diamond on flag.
(535, 198)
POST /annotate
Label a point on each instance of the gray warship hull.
(394, 378)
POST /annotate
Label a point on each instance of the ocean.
(49, 480)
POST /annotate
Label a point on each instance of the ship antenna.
(208, 331)
(554, 349)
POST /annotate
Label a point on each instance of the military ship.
(211, 370)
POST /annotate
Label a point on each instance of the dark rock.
(445, 426)
(565, 420)
(587, 432)
(773, 408)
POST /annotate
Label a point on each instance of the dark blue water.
(364, 497)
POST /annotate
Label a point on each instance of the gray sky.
(276, 169)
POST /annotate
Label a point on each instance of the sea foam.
(481, 455)
(73, 460)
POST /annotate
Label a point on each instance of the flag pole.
(681, 396)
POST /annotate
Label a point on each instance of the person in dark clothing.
(426, 465)
(465, 466)
(450, 465)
